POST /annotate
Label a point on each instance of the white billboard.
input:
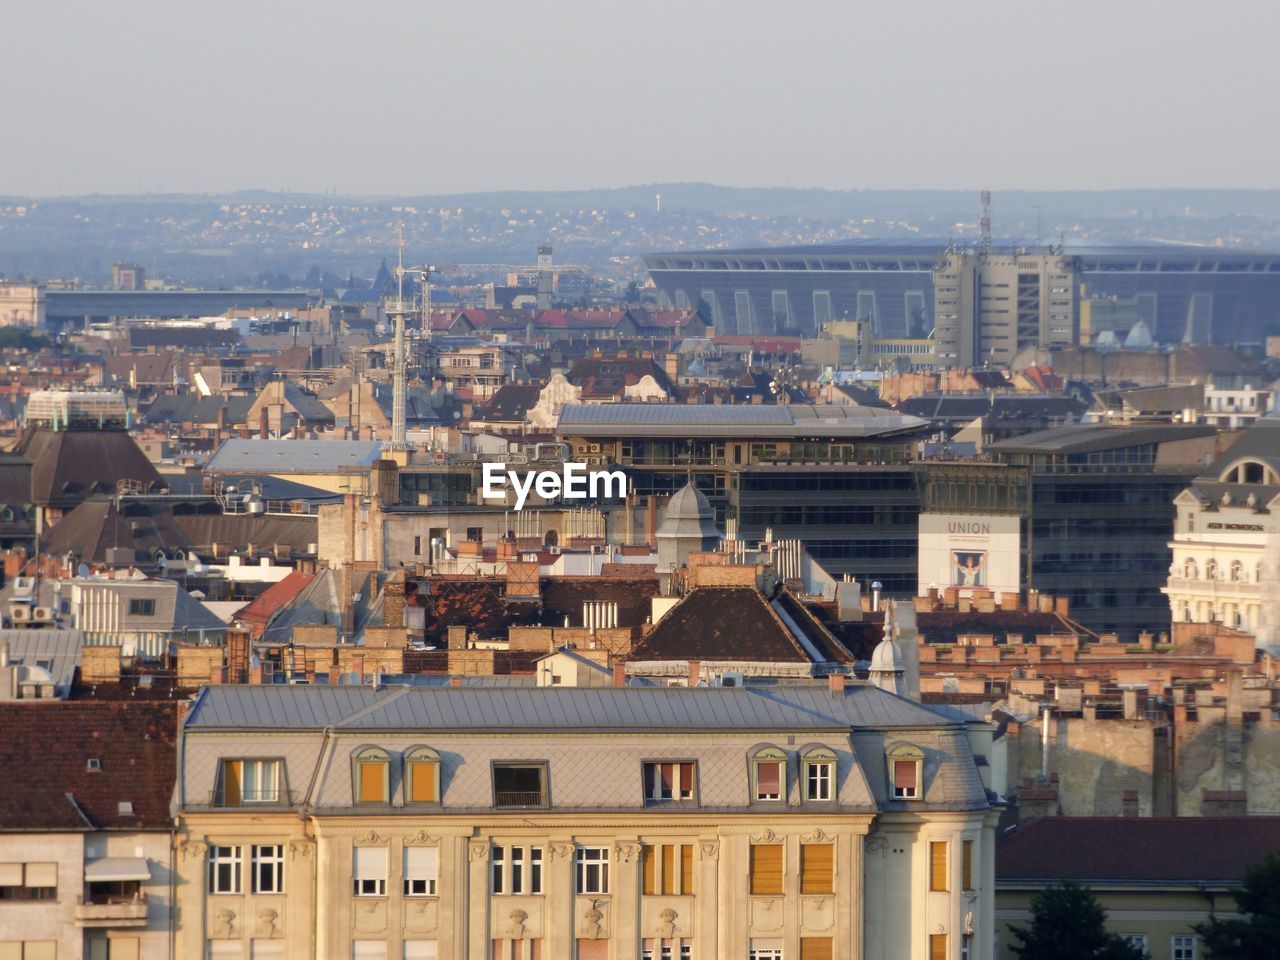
(968, 551)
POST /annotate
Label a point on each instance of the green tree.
(1068, 923)
(1256, 935)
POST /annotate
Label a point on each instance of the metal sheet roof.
(580, 708)
(724, 420)
(239, 456)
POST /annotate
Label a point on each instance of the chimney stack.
(695, 672)
(835, 684)
(619, 674)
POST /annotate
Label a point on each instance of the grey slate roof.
(581, 708)
(239, 456)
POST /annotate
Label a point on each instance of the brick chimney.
(835, 684)
(619, 674)
(695, 672)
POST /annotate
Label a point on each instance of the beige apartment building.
(987, 306)
(665, 823)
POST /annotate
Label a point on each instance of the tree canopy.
(1068, 923)
(1256, 934)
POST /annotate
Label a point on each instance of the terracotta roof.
(133, 742)
(278, 595)
(1136, 849)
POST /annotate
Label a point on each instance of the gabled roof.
(739, 623)
(51, 744)
(268, 603)
(1099, 850)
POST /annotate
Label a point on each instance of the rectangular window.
(769, 777)
(517, 870)
(373, 776)
(518, 949)
(765, 949)
(593, 870)
(369, 871)
(966, 865)
(667, 869)
(421, 870)
(1138, 940)
(1183, 948)
(258, 950)
(817, 868)
(224, 869)
(593, 950)
(225, 950)
(905, 779)
(30, 881)
(248, 781)
(420, 950)
(268, 868)
(423, 775)
(140, 607)
(766, 869)
(368, 950)
(417, 546)
(938, 867)
(519, 785)
(937, 946)
(815, 948)
(668, 781)
(818, 781)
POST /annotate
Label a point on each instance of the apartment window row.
(371, 867)
(418, 775)
(768, 869)
(266, 868)
(771, 948)
(28, 881)
(1180, 947)
(411, 950)
(28, 949)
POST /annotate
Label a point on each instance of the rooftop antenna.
(985, 223)
(398, 309)
(1038, 226)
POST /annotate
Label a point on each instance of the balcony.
(115, 912)
(520, 799)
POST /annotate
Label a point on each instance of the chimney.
(695, 672)
(619, 674)
(357, 663)
(255, 674)
(215, 675)
(455, 681)
(835, 684)
(311, 671)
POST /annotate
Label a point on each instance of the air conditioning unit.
(554, 551)
(19, 613)
(42, 614)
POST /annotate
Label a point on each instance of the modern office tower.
(987, 306)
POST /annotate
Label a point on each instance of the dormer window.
(906, 769)
(768, 775)
(248, 781)
(372, 776)
(819, 770)
(668, 780)
(422, 773)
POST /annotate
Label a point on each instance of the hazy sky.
(439, 96)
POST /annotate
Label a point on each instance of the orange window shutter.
(937, 946)
(766, 869)
(769, 778)
(966, 864)
(686, 869)
(422, 779)
(371, 781)
(817, 868)
(904, 774)
(815, 948)
(686, 779)
(231, 783)
(668, 868)
(938, 866)
(648, 864)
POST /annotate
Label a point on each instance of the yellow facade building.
(666, 823)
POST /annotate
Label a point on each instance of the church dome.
(887, 658)
(689, 514)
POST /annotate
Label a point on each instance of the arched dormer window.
(906, 771)
(1190, 570)
(1211, 570)
(768, 775)
(1251, 471)
(422, 776)
(1237, 571)
(371, 775)
(818, 770)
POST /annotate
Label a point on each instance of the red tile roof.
(270, 601)
(45, 753)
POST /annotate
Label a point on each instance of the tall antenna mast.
(985, 222)
(398, 310)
